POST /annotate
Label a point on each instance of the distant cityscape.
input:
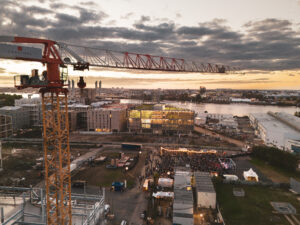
(185, 137)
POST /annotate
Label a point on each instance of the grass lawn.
(255, 207)
(274, 173)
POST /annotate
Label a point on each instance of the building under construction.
(20, 205)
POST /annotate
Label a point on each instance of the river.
(240, 109)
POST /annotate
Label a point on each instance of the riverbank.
(237, 109)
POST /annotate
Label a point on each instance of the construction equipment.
(52, 86)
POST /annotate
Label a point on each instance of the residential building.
(19, 115)
(81, 110)
(72, 119)
(34, 107)
(35, 113)
(6, 129)
(112, 118)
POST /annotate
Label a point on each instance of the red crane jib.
(56, 54)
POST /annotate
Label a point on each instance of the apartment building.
(111, 119)
(19, 115)
(6, 129)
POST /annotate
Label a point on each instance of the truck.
(117, 186)
(131, 146)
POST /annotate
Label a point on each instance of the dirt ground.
(99, 175)
(219, 136)
(19, 164)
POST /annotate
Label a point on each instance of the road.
(92, 144)
(129, 204)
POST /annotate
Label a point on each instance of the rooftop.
(277, 132)
(289, 119)
(10, 108)
(151, 107)
(182, 183)
(203, 182)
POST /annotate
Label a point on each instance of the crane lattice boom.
(80, 55)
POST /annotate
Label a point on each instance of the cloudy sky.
(262, 37)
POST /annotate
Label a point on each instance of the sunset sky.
(262, 37)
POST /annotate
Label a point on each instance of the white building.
(224, 120)
(273, 131)
(200, 120)
(34, 108)
(241, 100)
(6, 129)
(19, 115)
(293, 145)
(290, 120)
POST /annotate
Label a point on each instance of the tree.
(276, 157)
(8, 100)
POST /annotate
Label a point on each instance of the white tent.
(161, 194)
(250, 175)
(146, 184)
(165, 182)
(231, 177)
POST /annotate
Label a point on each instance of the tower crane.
(52, 86)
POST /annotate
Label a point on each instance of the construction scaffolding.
(27, 206)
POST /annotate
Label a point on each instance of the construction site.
(79, 156)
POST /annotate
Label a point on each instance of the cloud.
(262, 79)
(2, 70)
(89, 3)
(127, 15)
(178, 15)
(269, 44)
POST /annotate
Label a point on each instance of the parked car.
(124, 222)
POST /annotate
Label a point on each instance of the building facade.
(275, 132)
(34, 107)
(72, 119)
(19, 115)
(293, 145)
(81, 115)
(6, 128)
(106, 119)
(159, 119)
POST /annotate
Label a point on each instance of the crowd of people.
(206, 162)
